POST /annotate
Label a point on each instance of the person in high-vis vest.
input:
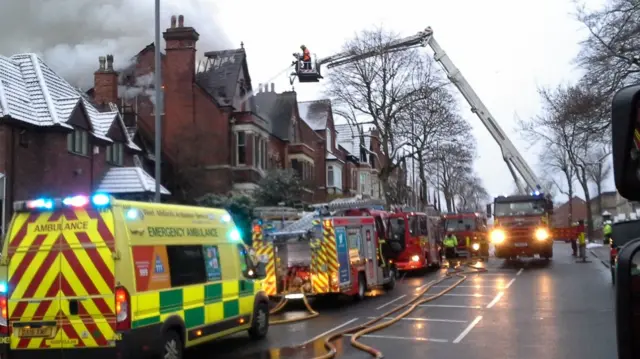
(582, 240)
(450, 242)
(574, 243)
(606, 230)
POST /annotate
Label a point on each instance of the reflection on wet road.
(520, 310)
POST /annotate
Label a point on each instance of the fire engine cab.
(416, 238)
(470, 228)
(338, 249)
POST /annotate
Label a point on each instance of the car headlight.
(498, 236)
(542, 234)
(415, 258)
(475, 246)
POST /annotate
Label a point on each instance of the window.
(245, 259)
(256, 151)
(78, 142)
(186, 265)
(424, 227)
(115, 154)
(364, 178)
(212, 263)
(329, 147)
(241, 152)
(264, 154)
(330, 178)
(354, 179)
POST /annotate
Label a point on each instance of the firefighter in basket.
(306, 58)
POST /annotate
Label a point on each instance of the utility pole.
(158, 106)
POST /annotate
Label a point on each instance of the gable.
(117, 132)
(79, 117)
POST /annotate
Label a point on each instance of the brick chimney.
(105, 82)
(179, 75)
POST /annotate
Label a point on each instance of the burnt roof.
(221, 74)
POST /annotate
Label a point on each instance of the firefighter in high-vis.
(606, 230)
(582, 241)
(450, 242)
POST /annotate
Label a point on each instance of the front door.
(371, 262)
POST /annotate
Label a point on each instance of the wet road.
(527, 309)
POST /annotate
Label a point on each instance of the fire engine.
(471, 230)
(326, 252)
(416, 238)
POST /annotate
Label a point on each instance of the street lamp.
(158, 104)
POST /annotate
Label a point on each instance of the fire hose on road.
(407, 308)
(283, 303)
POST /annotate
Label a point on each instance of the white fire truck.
(330, 251)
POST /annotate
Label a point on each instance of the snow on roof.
(129, 180)
(31, 92)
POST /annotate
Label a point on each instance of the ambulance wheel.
(392, 280)
(362, 287)
(260, 322)
(172, 347)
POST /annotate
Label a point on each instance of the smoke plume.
(70, 35)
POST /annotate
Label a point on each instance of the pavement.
(526, 309)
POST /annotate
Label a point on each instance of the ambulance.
(93, 276)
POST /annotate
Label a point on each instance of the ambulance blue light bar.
(98, 200)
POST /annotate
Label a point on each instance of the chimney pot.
(173, 21)
(273, 87)
(259, 88)
(102, 61)
(110, 62)
(180, 21)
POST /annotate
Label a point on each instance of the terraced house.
(54, 141)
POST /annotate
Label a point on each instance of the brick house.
(561, 216)
(56, 142)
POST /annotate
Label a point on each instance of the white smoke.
(70, 35)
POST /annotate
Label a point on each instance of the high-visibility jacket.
(581, 238)
(306, 55)
(467, 241)
(607, 229)
(450, 242)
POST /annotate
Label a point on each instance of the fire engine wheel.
(362, 286)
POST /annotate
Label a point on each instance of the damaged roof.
(222, 73)
(277, 109)
(315, 113)
(31, 92)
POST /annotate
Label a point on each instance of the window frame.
(241, 147)
(78, 142)
(178, 271)
(115, 154)
(330, 176)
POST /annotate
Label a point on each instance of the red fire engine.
(416, 238)
(471, 230)
(324, 253)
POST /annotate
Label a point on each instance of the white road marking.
(401, 338)
(520, 271)
(427, 320)
(467, 330)
(495, 300)
(470, 286)
(510, 283)
(463, 295)
(392, 301)
(450, 306)
(329, 331)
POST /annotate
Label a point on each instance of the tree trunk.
(584, 182)
(423, 183)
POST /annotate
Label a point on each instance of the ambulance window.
(245, 259)
(186, 265)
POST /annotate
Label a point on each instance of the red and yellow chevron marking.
(54, 261)
(266, 249)
(319, 282)
(331, 253)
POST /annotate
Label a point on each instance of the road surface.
(529, 309)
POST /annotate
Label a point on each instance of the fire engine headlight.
(475, 246)
(542, 234)
(497, 236)
(415, 258)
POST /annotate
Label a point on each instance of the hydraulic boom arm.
(515, 161)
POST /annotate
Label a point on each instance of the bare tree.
(472, 196)
(599, 172)
(450, 165)
(554, 160)
(610, 53)
(379, 88)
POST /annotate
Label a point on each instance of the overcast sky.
(505, 48)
